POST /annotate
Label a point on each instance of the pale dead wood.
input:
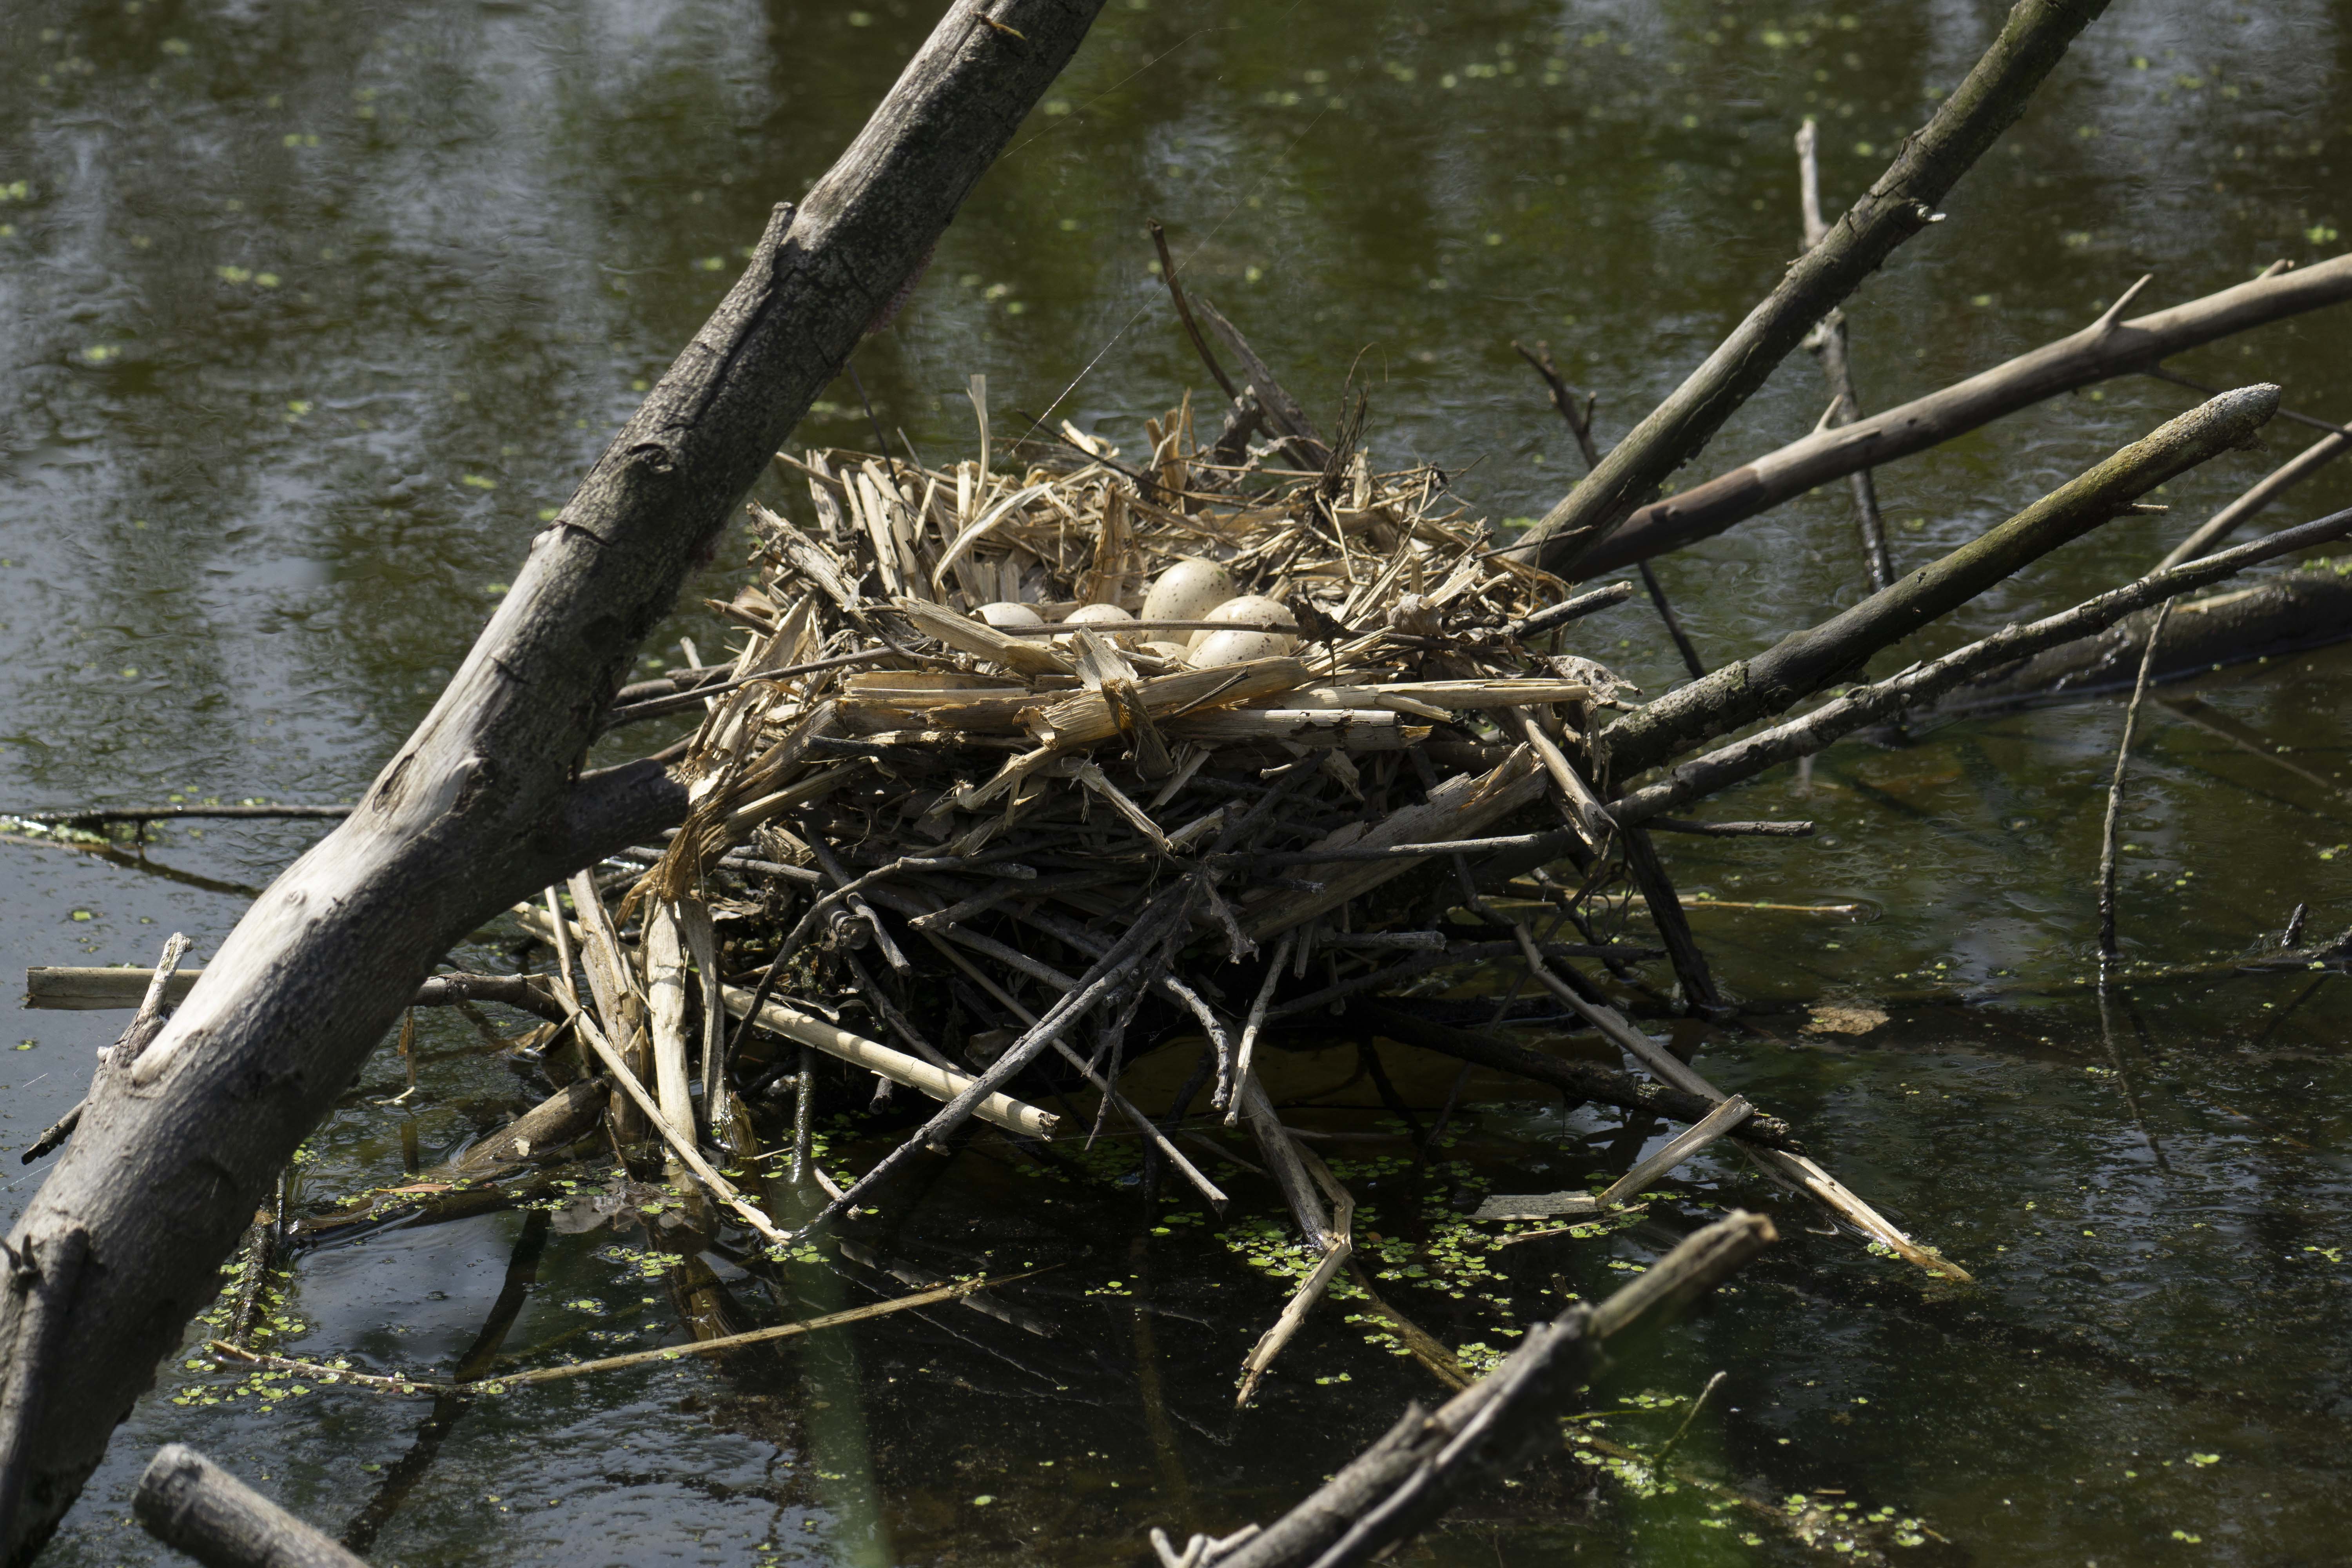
(1900, 204)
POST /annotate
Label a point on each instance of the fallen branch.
(2105, 349)
(1828, 342)
(1803, 662)
(1580, 1079)
(191, 1504)
(1899, 204)
(486, 803)
(1921, 683)
(1402, 1483)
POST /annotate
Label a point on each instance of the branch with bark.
(2107, 348)
(484, 803)
(1899, 204)
(1804, 662)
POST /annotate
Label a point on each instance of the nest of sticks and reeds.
(1024, 769)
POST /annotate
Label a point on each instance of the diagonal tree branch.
(1803, 662)
(1901, 204)
(2106, 348)
(479, 806)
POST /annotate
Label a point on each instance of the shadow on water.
(313, 312)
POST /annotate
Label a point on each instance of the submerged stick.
(1403, 1482)
(188, 813)
(192, 1505)
(1338, 1250)
(1720, 1122)
(1579, 1080)
(1899, 204)
(1794, 1171)
(681, 1143)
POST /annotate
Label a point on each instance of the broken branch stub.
(480, 806)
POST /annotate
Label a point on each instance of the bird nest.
(990, 728)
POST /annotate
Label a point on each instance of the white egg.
(1231, 647)
(1238, 646)
(1251, 610)
(1173, 651)
(1188, 591)
(1004, 613)
(1098, 615)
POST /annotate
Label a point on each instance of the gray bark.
(186, 1501)
(2309, 609)
(1901, 204)
(1803, 662)
(1923, 683)
(1401, 1484)
(2105, 349)
(481, 806)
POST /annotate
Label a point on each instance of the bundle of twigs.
(1029, 768)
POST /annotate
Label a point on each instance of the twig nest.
(1004, 614)
(1188, 591)
(1107, 615)
(1262, 630)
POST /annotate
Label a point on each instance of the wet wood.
(1828, 343)
(1402, 1483)
(1573, 1077)
(1803, 662)
(486, 802)
(1923, 683)
(191, 1504)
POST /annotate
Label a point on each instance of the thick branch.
(1803, 662)
(1403, 1482)
(478, 807)
(1899, 206)
(187, 1502)
(2100, 352)
(1923, 683)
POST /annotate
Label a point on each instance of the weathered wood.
(1899, 204)
(2272, 486)
(1803, 662)
(481, 806)
(2304, 610)
(1403, 1482)
(552, 1125)
(189, 1503)
(1922, 683)
(88, 988)
(2101, 352)
(44, 1285)
(1828, 342)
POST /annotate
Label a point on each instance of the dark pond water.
(306, 311)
